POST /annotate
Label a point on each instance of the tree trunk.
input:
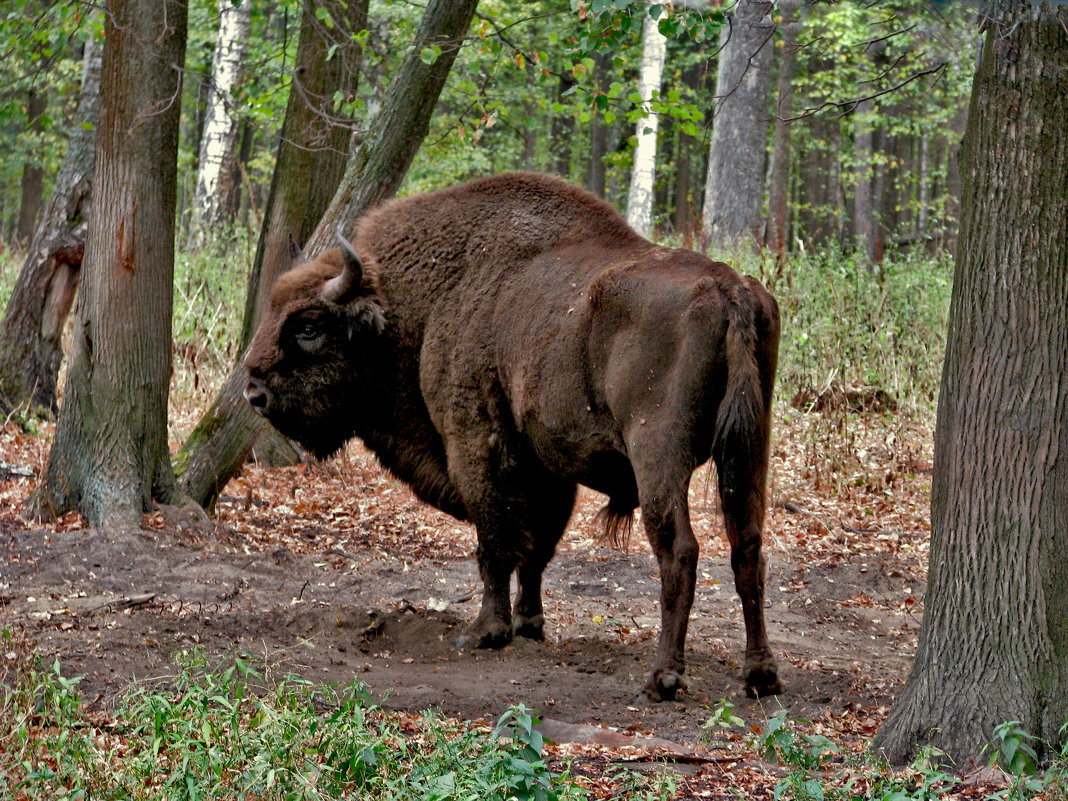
(736, 156)
(311, 159)
(223, 438)
(789, 25)
(643, 174)
(31, 336)
(218, 142)
(993, 645)
(595, 174)
(109, 459)
(393, 138)
(32, 172)
(863, 207)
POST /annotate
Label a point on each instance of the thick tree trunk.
(863, 206)
(312, 152)
(789, 26)
(217, 166)
(643, 174)
(32, 183)
(993, 646)
(30, 339)
(110, 459)
(737, 154)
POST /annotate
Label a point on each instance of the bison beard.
(498, 343)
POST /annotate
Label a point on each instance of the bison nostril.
(257, 395)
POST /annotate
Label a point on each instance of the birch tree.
(218, 144)
(643, 175)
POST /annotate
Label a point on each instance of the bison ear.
(295, 254)
(341, 288)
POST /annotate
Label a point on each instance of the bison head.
(316, 350)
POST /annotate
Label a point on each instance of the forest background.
(873, 96)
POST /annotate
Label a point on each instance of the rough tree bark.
(373, 174)
(217, 161)
(643, 174)
(31, 334)
(312, 152)
(993, 646)
(109, 459)
(736, 156)
(789, 26)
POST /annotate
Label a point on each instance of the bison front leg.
(493, 626)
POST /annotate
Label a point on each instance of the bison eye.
(309, 336)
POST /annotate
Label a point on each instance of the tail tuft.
(618, 522)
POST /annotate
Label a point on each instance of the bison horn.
(339, 288)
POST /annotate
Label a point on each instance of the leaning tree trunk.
(734, 187)
(312, 152)
(31, 335)
(790, 25)
(217, 167)
(109, 459)
(993, 646)
(376, 171)
(643, 175)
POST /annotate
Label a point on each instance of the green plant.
(723, 717)
(238, 730)
(782, 743)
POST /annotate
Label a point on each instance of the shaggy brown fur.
(502, 341)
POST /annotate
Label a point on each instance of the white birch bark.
(218, 143)
(640, 197)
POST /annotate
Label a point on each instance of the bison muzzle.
(497, 344)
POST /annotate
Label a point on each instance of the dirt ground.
(336, 572)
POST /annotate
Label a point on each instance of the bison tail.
(618, 521)
(741, 433)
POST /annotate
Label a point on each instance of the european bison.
(500, 342)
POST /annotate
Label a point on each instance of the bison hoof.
(494, 638)
(664, 685)
(762, 680)
(531, 628)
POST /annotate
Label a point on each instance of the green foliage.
(723, 717)
(238, 731)
(841, 322)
